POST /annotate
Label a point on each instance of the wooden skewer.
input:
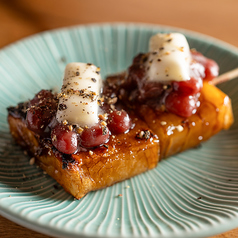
(232, 74)
(225, 77)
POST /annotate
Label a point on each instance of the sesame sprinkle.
(79, 130)
(112, 100)
(65, 122)
(70, 127)
(112, 106)
(32, 161)
(103, 123)
(104, 130)
(179, 128)
(103, 117)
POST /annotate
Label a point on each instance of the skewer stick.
(225, 77)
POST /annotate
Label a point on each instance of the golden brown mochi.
(122, 157)
(177, 134)
(126, 155)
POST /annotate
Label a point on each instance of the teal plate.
(192, 194)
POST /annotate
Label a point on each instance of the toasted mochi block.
(177, 134)
(127, 155)
(122, 157)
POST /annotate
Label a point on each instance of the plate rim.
(129, 24)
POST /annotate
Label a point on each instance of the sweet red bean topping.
(189, 87)
(41, 111)
(180, 98)
(38, 119)
(211, 67)
(136, 89)
(181, 105)
(42, 97)
(63, 139)
(94, 136)
(119, 122)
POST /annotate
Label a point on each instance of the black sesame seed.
(145, 59)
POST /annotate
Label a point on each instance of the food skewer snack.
(83, 146)
(171, 89)
(94, 134)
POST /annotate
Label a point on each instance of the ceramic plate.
(192, 194)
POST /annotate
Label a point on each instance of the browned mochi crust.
(177, 134)
(122, 157)
(127, 155)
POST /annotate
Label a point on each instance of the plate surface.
(193, 194)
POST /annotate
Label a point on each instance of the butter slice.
(169, 58)
(78, 100)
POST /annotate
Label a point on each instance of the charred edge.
(66, 159)
(19, 111)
